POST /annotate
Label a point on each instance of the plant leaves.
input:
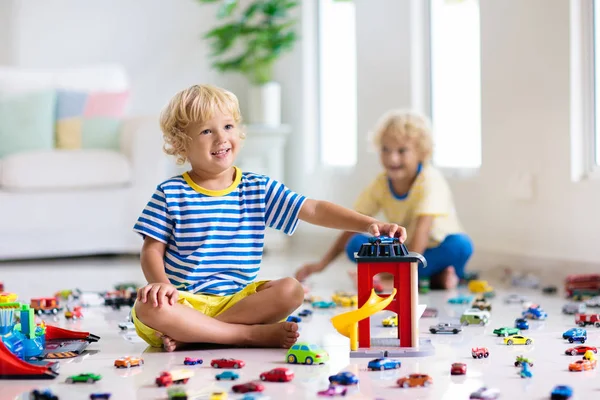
(227, 8)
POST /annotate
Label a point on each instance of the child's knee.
(461, 245)
(290, 293)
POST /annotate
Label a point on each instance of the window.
(337, 83)
(456, 83)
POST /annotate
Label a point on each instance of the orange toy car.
(413, 380)
(128, 362)
(582, 365)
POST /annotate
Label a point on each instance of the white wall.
(526, 121)
(160, 43)
(6, 13)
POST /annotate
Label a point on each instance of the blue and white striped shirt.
(215, 238)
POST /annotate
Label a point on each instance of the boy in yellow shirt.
(412, 193)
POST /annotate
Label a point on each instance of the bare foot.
(170, 344)
(282, 334)
(446, 279)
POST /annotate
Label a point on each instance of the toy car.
(575, 335)
(218, 396)
(525, 372)
(522, 324)
(429, 313)
(177, 393)
(506, 331)
(485, 393)
(480, 352)
(255, 396)
(588, 319)
(573, 351)
(85, 377)
(344, 299)
(167, 378)
(126, 325)
(74, 314)
(593, 302)
(227, 375)
(277, 375)
(293, 318)
(192, 361)
(535, 312)
(324, 304)
(344, 378)
(458, 369)
(105, 396)
(305, 353)
(515, 299)
(461, 299)
(377, 240)
(248, 387)
(482, 304)
(128, 362)
(480, 286)
(305, 313)
(390, 322)
(561, 392)
(589, 355)
(574, 308)
(523, 360)
(413, 380)
(475, 316)
(445, 327)
(227, 363)
(550, 289)
(333, 390)
(383, 363)
(526, 280)
(42, 395)
(517, 339)
(582, 365)
(424, 285)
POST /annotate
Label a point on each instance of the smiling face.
(399, 156)
(214, 144)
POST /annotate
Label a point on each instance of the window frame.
(584, 121)
(427, 85)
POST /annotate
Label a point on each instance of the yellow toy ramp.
(344, 323)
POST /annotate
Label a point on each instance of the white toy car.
(485, 393)
(475, 316)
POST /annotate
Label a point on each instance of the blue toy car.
(383, 363)
(227, 375)
(192, 361)
(535, 313)
(461, 299)
(344, 378)
(305, 313)
(521, 323)
(575, 335)
(561, 392)
(293, 318)
(95, 396)
(324, 304)
(42, 395)
(525, 371)
(383, 240)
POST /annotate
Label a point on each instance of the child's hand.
(307, 270)
(158, 293)
(392, 230)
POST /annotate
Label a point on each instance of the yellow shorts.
(205, 303)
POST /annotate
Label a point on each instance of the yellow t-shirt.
(429, 195)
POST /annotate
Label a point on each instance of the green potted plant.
(250, 41)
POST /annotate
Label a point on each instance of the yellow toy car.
(8, 297)
(479, 286)
(589, 355)
(218, 396)
(344, 299)
(517, 339)
(390, 322)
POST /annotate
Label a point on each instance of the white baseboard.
(490, 263)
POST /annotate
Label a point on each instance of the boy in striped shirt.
(204, 232)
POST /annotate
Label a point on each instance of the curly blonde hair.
(405, 124)
(195, 104)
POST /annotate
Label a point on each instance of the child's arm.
(158, 287)
(329, 215)
(420, 238)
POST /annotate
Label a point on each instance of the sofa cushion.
(90, 120)
(64, 169)
(26, 121)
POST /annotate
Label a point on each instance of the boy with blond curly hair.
(204, 231)
(413, 193)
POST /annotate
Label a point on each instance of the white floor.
(31, 279)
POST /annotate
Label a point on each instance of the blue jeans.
(455, 250)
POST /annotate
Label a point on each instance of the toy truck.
(167, 378)
(588, 319)
(45, 305)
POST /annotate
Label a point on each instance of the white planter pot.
(264, 104)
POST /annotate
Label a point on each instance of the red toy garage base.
(12, 367)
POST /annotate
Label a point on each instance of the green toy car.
(305, 353)
(177, 393)
(87, 377)
(523, 360)
(506, 331)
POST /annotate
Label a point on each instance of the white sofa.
(78, 202)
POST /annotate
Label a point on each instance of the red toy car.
(458, 369)
(277, 375)
(580, 350)
(588, 319)
(75, 313)
(248, 387)
(480, 352)
(227, 363)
